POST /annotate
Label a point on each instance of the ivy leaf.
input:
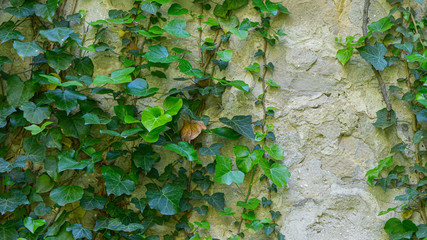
(374, 55)
(36, 129)
(59, 61)
(184, 149)
(9, 201)
(90, 202)
(34, 152)
(139, 87)
(186, 68)
(140, 204)
(27, 49)
(33, 113)
(154, 117)
(144, 157)
(172, 105)
(25, 10)
(375, 172)
(79, 231)
(4, 113)
(5, 166)
(84, 66)
(59, 34)
(213, 150)
(67, 162)
(18, 91)
(159, 54)
(275, 151)
(47, 10)
(72, 126)
(239, 84)
(252, 204)
(225, 55)
(277, 173)
(65, 100)
(382, 121)
(224, 173)
(166, 201)
(343, 55)
(176, 27)
(245, 160)
(8, 34)
(41, 210)
(33, 224)
(66, 194)
(44, 184)
(8, 230)
(381, 25)
(114, 182)
(408, 47)
(17, 3)
(241, 124)
(226, 132)
(217, 200)
(253, 67)
(176, 9)
(149, 7)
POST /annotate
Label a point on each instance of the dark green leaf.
(65, 100)
(184, 149)
(213, 150)
(114, 182)
(44, 184)
(216, 200)
(382, 121)
(139, 87)
(166, 201)
(72, 126)
(34, 152)
(374, 55)
(8, 34)
(25, 10)
(59, 61)
(84, 66)
(18, 91)
(176, 9)
(67, 162)
(9, 201)
(224, 173)
(4, 113)
(80, 232)
(33, 113)
(27, 49)
(53, 138)
(241, 124)
(226, 132)
(66, 194)
(140, 203)
(159, 54)
(59, 34)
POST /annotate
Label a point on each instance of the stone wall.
(323, 119)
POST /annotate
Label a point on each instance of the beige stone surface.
(323, 119)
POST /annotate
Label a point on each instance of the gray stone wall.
(323, 119)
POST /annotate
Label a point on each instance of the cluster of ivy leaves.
(55, 136)
(398, 40)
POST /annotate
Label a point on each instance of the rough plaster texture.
(323, 119)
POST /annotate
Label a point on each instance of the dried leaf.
(191, 130)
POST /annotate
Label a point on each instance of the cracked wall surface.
(323, 119)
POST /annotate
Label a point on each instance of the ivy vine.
(64, 156)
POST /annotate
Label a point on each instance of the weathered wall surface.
(323, 119)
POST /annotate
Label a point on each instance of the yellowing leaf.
(67, 142)
(407, 213)
(191, 130)
(122, 33)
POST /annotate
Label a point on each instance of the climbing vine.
(65, 156)
(398, 40)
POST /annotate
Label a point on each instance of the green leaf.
(154, 117)
(92, 118)
(213, 150)
(144, 157)
(239, 84)
(47, 10)
(8, 230)
(59, 34)
(139, 203)
(34, 152)
(216, 200)
(184, 149)
(52, 139)
(225, 55)
(382, 121)
(66, 194)
(139, 87)
(84, 66)
(35, 114)
(186, 68)
(241, 124)
(59, 61)
(227, 133)
(166, 201)
(4, 113)
(394, 226)
(72, 126)
(374, 55)
(16, 3)
(55, 81)
(41, 210)
(36, 129)
(9, 201)
(176, 9)
(120, 76)
(272, 83)
(253, 67)
(18, 91)
(277, 173)
(65, 100)
(79, 232)
(375, 172)
(252, 204)
(159, 54)
(33, 224)
(172, 105)
(224, 173)
(343, 55)
(5, 166)
(90, 202)
(9, 34)
(149, 7)
(410, 194)
(245, 160)
(25, 10)
(275, 151)
(176, 27)
(408, 47)
(44, 184)
(67, 162)
(114, 182)
(381, 25)
(203, 224)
